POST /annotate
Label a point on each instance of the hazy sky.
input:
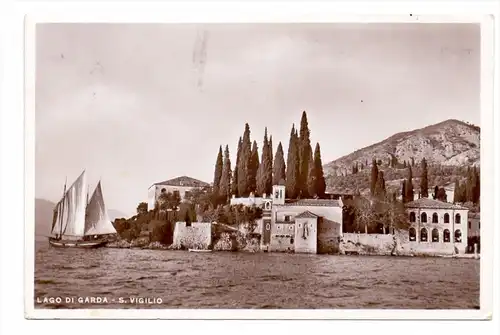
(136, 104)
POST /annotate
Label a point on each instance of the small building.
(180, 185)
(304, 225)
(440, 225)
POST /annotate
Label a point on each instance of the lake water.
(116, 278)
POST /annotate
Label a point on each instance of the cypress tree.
(409, 185)
(305, 152)
(245, 162)
(264, 174)
(218, 172)
(436, 190)
(225, 182)
(269, 171)
(477, 189)
(253, 167)
(311, 178)
(404, 196)
(424, 183)
(293, 166)
(279, 166)
(318, 172)
(380, 185)
(374, 176)
(234, 184)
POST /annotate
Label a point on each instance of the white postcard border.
(288, 13)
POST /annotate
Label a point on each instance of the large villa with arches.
(440, 225)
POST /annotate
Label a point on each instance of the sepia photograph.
(263, 166)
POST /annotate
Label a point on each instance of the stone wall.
(197, 236)
(282, 243)
(397, 244)
(328, 237)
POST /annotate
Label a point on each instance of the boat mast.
(62, 210)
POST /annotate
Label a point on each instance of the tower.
(278, 195)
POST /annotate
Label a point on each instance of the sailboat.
(80, 222)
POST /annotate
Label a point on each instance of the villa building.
(181, 185)
(301, 226)
(439, 225)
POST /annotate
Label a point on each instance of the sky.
(135, 104)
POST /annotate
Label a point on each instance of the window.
(423, 235)
(470, 225)
(291, 227)
(268, 226)
(446, 235)
(300, 225)
(435, 218)
(446, 218)
(423, 217)
(457, 218)
(291, 240)
(458, 236)
(435, 235)
(163, 190)
(176, 193)
(412, 216)
(413, 234)
(287, 218)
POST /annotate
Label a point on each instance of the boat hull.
(199, 250)
(77, 244)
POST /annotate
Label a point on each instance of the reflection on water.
(127, 278)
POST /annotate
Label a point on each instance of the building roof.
(431, 203)
(306, 215)
(313, 202)
(183, 181)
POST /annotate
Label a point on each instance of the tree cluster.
(470, 189)
(302, 173)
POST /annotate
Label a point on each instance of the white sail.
(73, 208)
(97, 221)
(56, 223)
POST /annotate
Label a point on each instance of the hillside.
(449, 147)
(44, 214)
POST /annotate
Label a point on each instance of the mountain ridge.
(451, 138)
(450, 147)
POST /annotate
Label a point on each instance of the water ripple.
(260, 280)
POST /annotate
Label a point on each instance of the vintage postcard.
(259, 169)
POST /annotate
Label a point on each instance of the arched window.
(435, 218)
(412, 216)
(457, 218)
(423, 217)
(163, 190)
(446, 218)
(458, 236)
(413, 234)
(435, 235)
(446, 235)
(423, 235)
